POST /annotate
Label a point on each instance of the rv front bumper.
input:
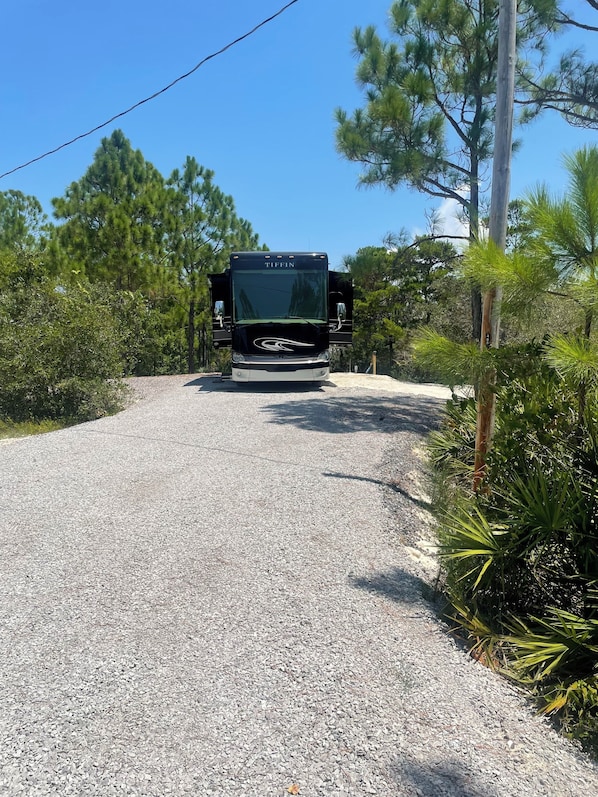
(277, 371)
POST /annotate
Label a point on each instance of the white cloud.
(449, 220)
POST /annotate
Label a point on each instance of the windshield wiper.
(306, 320)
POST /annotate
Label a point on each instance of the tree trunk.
(202, 348)
(499, 205)
(476, 314)
(474, 235)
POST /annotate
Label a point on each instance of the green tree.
(571, 88)
(23, 224)
(563, 236)
(202, 228)
(111, 228)
(554, 260)
(377, 312)
(430, 96)
(564, 243)
(397, 290)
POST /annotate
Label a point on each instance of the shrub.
(59, 355)
(521, 557)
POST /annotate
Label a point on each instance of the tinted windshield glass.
(272, 296)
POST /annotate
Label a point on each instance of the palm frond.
(469, 536)
(540, 506)
(581, 693)
(560, 643)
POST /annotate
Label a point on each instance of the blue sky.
(261, 115)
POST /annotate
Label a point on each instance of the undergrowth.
(520, 558)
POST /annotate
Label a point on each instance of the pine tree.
(111, 230)
(202, 228)
(428, 119)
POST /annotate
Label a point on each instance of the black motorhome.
(280, 312)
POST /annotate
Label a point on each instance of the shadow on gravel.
(396, 488)
(211, 383)
(397, 585)
(440, 780)
(360, 414)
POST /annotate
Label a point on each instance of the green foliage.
(565, 230)
(22, 222)
(574, 703)
(111, 229)
(150, 331)
(556, 657)
(59, 356)
(20, 269)
(396, 290)
(562, 642)
(118, 287)
(521, 555)
(155, 241)
(573, 358)
(429, 98)
(520, 276)
(427, 119)
(26, 428)
(444, 57)
(451, 363)
(202, 228)
(521, 558)
(572, 90)
(451, 450)
(472, 547)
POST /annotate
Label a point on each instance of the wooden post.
(374, 363)
(499, 207)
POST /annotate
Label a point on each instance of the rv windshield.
(265, 295)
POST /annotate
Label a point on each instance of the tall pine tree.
(202, 228)
(112, 217)
(428, 117)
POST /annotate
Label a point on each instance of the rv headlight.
(325, 355)
(237, 357)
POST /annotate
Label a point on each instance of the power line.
(155, 94)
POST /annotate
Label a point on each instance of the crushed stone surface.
(212, 593)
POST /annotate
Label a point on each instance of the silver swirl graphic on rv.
(280, 344)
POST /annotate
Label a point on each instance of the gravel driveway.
(210, 594)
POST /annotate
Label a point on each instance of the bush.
(521, 557)
(59, 355)
(151, 333)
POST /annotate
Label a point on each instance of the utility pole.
(499, 206)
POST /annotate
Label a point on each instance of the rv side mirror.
(219, 309)
(341, 310)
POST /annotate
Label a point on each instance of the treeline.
(400, 287)
(117, 285)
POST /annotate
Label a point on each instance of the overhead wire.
(155, 94)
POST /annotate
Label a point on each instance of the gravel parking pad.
(211, 594)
